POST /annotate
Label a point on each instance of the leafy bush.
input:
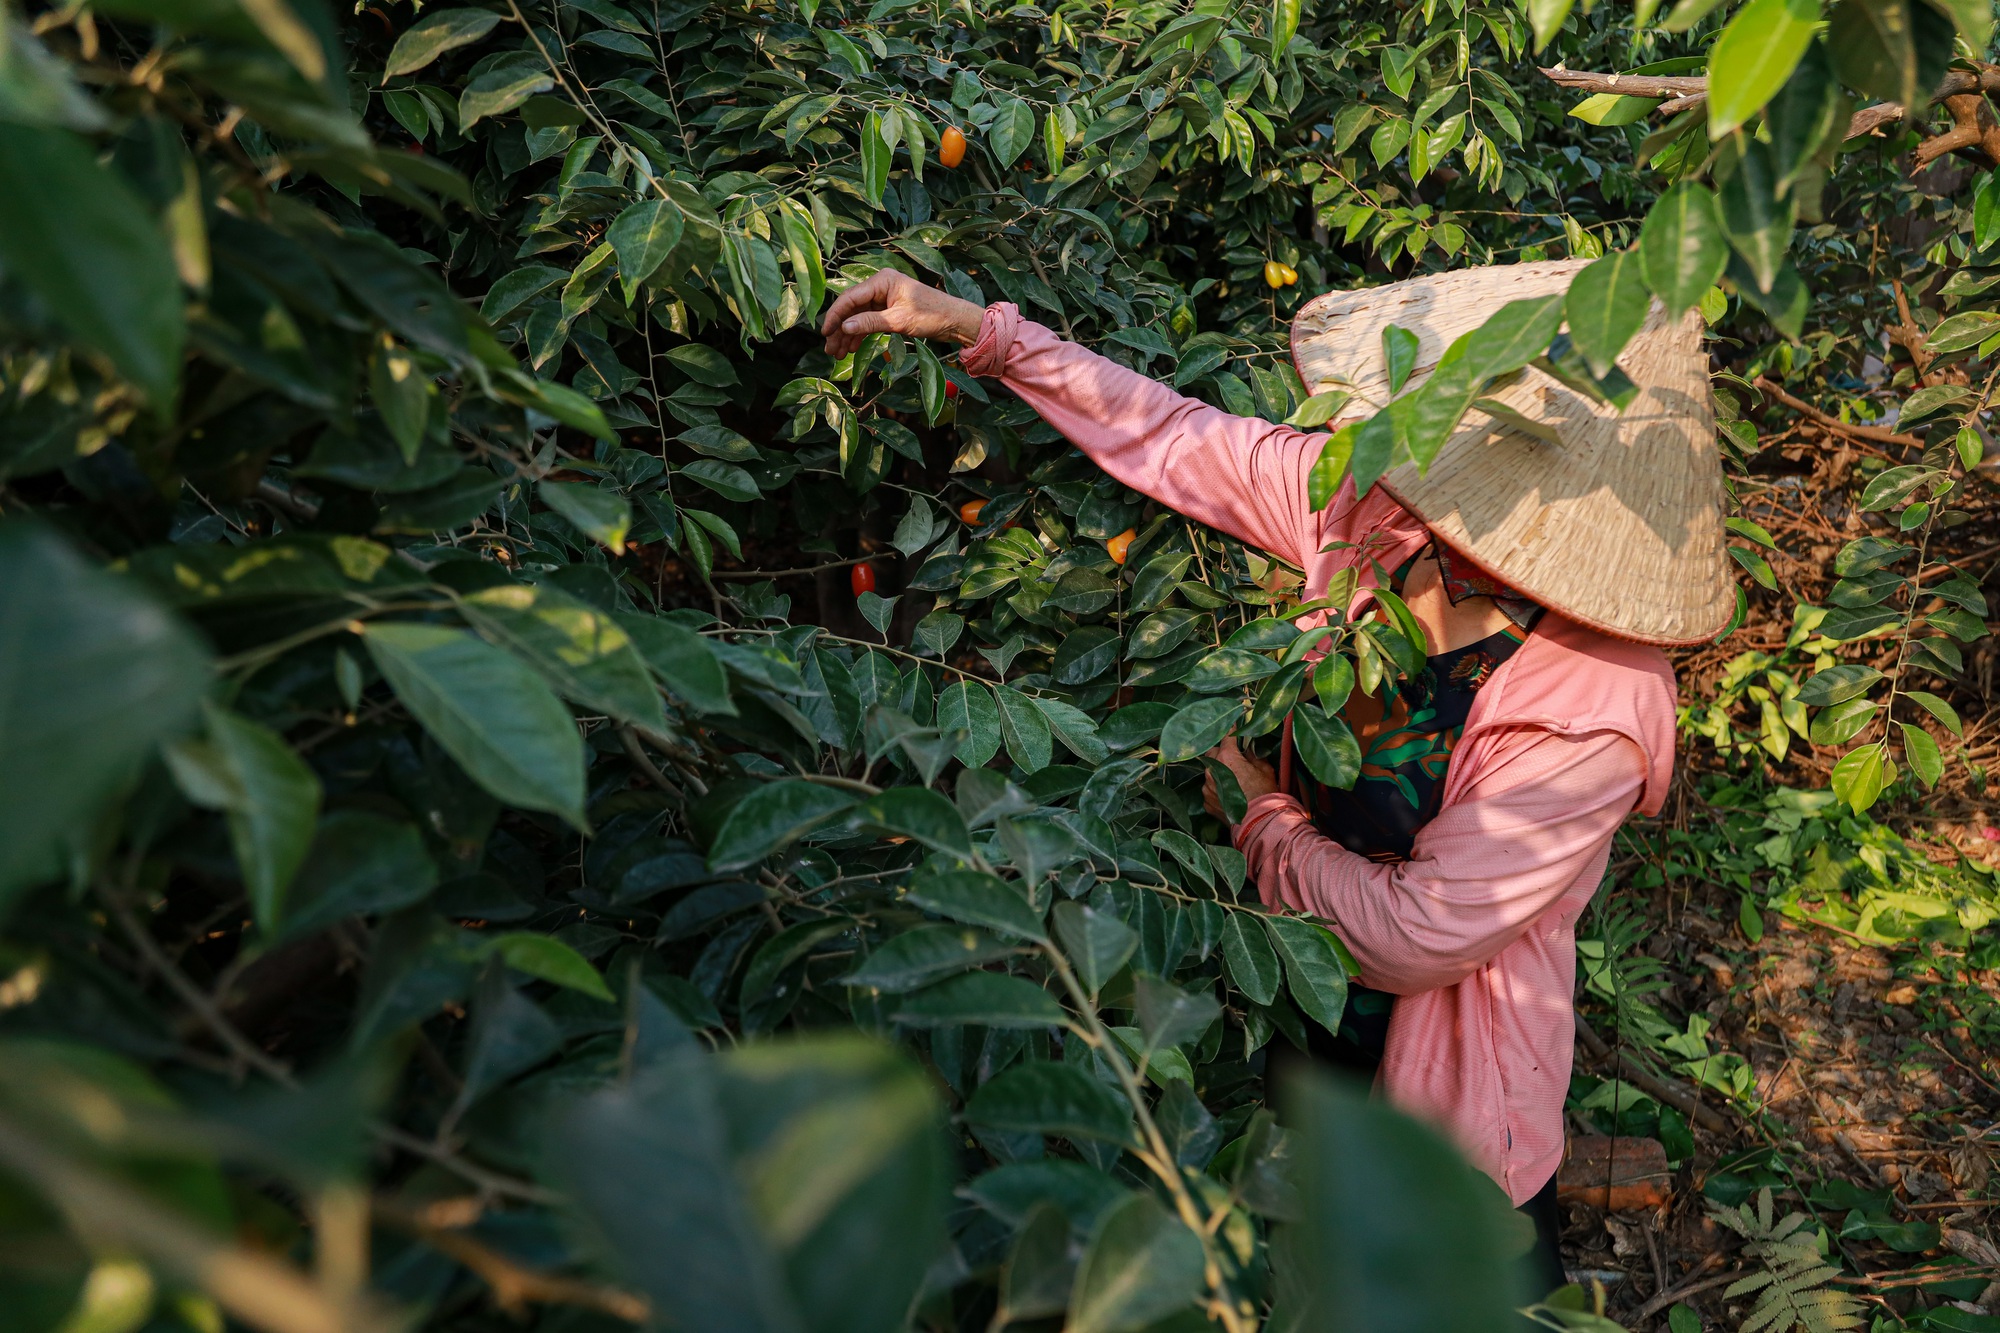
(417, 763)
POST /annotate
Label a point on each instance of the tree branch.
(1875, 434)
(1975, 132)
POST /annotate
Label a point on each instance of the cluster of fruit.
(1279, 275)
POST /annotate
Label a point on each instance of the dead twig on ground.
(1676, 1095)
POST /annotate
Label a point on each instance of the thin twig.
(514, 1287)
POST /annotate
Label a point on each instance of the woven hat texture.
(1617, 522)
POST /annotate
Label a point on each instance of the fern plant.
(1792, 1288)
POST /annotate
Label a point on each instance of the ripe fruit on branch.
(950, 389)
(1290, 274)
(970, 510)
(1274, 274)
(862, 577)
(951, 146)
(1119, 545)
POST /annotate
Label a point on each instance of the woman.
(1542, 555)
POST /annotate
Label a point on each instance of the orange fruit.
(1290, 274)
(1119, 545)
(1274, 274)
(951, 146)
(970, 510)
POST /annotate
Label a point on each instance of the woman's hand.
(892, 302)
(1254, 776)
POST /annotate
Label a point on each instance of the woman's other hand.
(1254, 776)
(892, 302)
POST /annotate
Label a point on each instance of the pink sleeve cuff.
(987, 357)
(1260, 811)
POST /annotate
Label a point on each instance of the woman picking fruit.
(1544, 557)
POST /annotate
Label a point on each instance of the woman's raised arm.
(1243, 475)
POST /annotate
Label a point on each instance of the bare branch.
(1876, 434)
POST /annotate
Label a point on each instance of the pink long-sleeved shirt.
(1476, 931)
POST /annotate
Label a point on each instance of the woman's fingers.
(872, 294)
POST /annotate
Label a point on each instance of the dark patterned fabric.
(1407, 732)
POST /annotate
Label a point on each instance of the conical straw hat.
(1619, 524)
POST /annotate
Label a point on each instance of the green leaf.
(876, 155)
(923, 954)
(725, 479)
(1085, 654)
(1327, 745)
(1842, 722)
(1024, 728)
(549, 959)
(1284, 24)
(1837, 684)
(1096, 943)
(1399, 1231)
(1253, 964)
(772, 817)
(1753, 57)
(584, 652)
(1228, 669)
(1757, 224)
(643, 236)
(1920, 751)
(604, 516)
(1198, 728)
(733, 1192)
(1044, 1097)
(1808, 113)
(978, 899)
(968, 707)
(1938, 709)
(1399, 355)
(499, 91)
(1011, 131)
(919, 814)
(1142, 1265)
(360, 863)
(436, 33)
(1958, 333)
(1040, 1268)
(1313, 971)
(1606, 305)
(1986, 213)
(1318, 409)
(489, 711)
(270, 796)
(703, 364)
(1896, 50)
(1513, 335)
(1613, 109)
(682, 660)
(1862, 775)
(87, 246)
(1170, 1016)
(983, 999)
(96, 674)
(1547, 17)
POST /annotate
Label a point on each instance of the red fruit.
(950, 389)
(951, 146)
(862, 577)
